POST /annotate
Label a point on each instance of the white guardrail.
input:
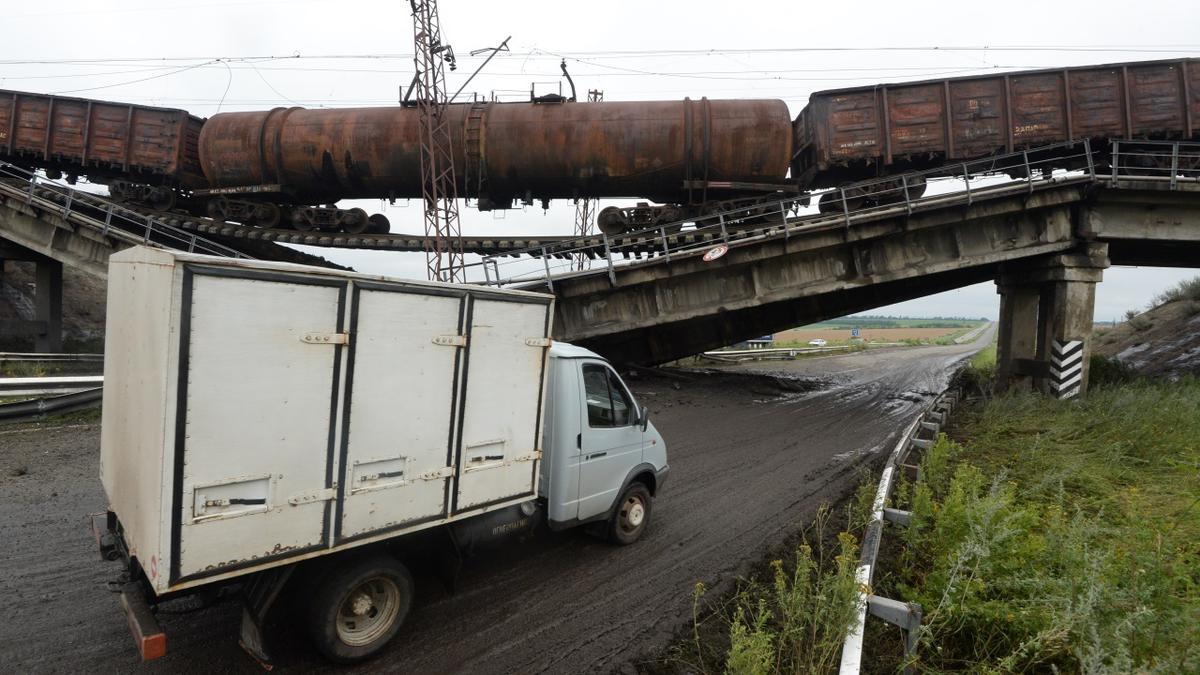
(919, 435)
(41, 386)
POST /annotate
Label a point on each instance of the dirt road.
(750, 463)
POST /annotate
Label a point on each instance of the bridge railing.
(844, 206)
(104, 215)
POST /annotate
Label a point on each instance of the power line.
(596, 54)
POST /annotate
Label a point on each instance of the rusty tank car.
(686, 153)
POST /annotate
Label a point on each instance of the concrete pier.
(46, 326)
(1046, 315)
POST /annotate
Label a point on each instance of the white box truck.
(271, 427)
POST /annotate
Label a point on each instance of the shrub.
(1188, 289)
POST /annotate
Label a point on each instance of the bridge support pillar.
(46, 326)
(48, 301)
(1046, 315)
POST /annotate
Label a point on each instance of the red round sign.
(715, 252)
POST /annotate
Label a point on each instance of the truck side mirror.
(644, 418)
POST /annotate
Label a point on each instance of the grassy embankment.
(1060, 535)
(1046, 536)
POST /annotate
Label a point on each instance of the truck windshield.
(608, 403)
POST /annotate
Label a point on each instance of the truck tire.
(358, 607)
(631, 515)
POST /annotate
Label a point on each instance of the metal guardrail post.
(32, 186)
(1116, 161)
(967, 182)
(487, 276)
(612, 276)
(1028, 170)
(662, 232)
(1087, 150)
(108, 214)
(783, 217)
(907, 201)
(724, 233)
(1174, 165)
(67, 207)
(496, 270)
(546, 264)
(845, 207)
(149, 226)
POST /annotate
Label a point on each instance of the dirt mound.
(1164, 341)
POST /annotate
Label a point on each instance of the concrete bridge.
(1045, 241)
(52, 225)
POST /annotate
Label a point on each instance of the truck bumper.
(149, 637)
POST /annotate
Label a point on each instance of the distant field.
(803, 335)
(865, 322)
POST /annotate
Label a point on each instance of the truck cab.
(603, 459)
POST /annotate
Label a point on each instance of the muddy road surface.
(751, 461)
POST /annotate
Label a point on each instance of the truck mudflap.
(149, 637)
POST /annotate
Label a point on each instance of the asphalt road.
(750, 464)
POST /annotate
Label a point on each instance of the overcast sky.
(223, 55)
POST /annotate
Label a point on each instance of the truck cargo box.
(857, 134)
(259, 413)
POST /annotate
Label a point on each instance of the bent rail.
(103, 215)
(1171, 164)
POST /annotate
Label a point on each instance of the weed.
(1188, 289)
(1063, 536)
(794, 617)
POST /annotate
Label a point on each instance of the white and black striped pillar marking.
(1066, 368)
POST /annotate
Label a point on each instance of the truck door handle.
(596, 455)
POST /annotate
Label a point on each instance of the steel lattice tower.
(585, 209)
(443, 237)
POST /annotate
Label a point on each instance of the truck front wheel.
(359, 607)
(631, 516)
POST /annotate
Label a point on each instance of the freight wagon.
(142, 153)
(291, 165)
(848, 135)
(303, 432)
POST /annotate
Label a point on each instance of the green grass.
(1060, 536)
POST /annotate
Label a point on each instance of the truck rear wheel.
(359, 607)
(631, 516)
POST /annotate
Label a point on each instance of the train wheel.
(267, 215)
(356, 222)
(216, 209)
(380, 224)
(302, 222)
(162, 199)
(611, 221)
